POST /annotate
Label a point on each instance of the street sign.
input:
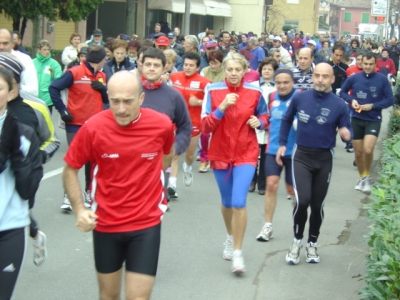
(379, 7)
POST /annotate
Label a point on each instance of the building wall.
(305, 12)
(247, 16)
(59, 38)
(356, 18)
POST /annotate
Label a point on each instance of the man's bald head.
(6, 40)
(323, 77)
(120, 78)
(126, 96)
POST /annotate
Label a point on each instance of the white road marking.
(52, 173)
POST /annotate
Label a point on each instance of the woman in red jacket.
(231, 110)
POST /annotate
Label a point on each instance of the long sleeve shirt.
(319, 115)
(372, 89)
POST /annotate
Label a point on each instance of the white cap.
(312, 42)
(277, 38)
(271, 37)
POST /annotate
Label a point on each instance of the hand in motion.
(97, 85)
(66, 116)
(86, 220)
(229, 100)
(254, 122)
(281, 152)
(356, 106)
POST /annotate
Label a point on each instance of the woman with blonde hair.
(231, 111)
(171, 57)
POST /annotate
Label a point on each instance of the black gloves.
(66, 116)
(97, 85)
(9, 140)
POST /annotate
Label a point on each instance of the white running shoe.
(293, 255)
(40, 251)
(87, 201)
(266, 234)
(311, 253)
(228, 250)
(238, 264)
(367, 188)
(66, 206)
(187, 175)
(289, 197)
(360, 184)
(172, 191)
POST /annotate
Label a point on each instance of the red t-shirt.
(126, 162)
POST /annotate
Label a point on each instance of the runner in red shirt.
(126, 147)
(191, 85)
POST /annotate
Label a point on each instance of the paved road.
(191, 266)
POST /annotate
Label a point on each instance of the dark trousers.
(312, 171)
(260, 178)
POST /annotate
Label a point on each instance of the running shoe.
(172, 191)
(66, 206)
(367, 187)
(289, 197)
(360, 184)
(86, 198)
(311, 253)
(204, 166)
(349, 147)
(228, 250)
(238, 264)
(40, 250)
(266, 234)
(293, 255)
(187, 175)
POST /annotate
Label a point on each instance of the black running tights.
(311, 176)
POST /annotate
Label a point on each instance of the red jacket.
(188, 86)
(298, 43)
(83, 101)
(387, 64)
(233, 141)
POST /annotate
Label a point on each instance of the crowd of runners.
(245, 106)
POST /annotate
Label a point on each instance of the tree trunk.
(37, 32)
(130, 26)
(16, 22)
(23, 27)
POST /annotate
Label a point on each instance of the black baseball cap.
(97, 32)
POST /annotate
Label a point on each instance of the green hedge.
(383, 261)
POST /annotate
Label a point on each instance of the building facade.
(345, 16)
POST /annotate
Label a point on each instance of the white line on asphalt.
(52, 173)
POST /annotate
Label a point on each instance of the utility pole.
(186, 29)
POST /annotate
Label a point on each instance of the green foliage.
(383, 262)
(394, 122)
(287, 27)
(65, 10)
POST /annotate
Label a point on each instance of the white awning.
(197, 7)
(218, 8)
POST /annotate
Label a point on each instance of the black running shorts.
(138, 249)
(362, 128)
(271, 168)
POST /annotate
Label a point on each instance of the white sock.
(172, 181)
(38, 241)
(268, 224)
(237, 252)
(186, 167)
(229, 237)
